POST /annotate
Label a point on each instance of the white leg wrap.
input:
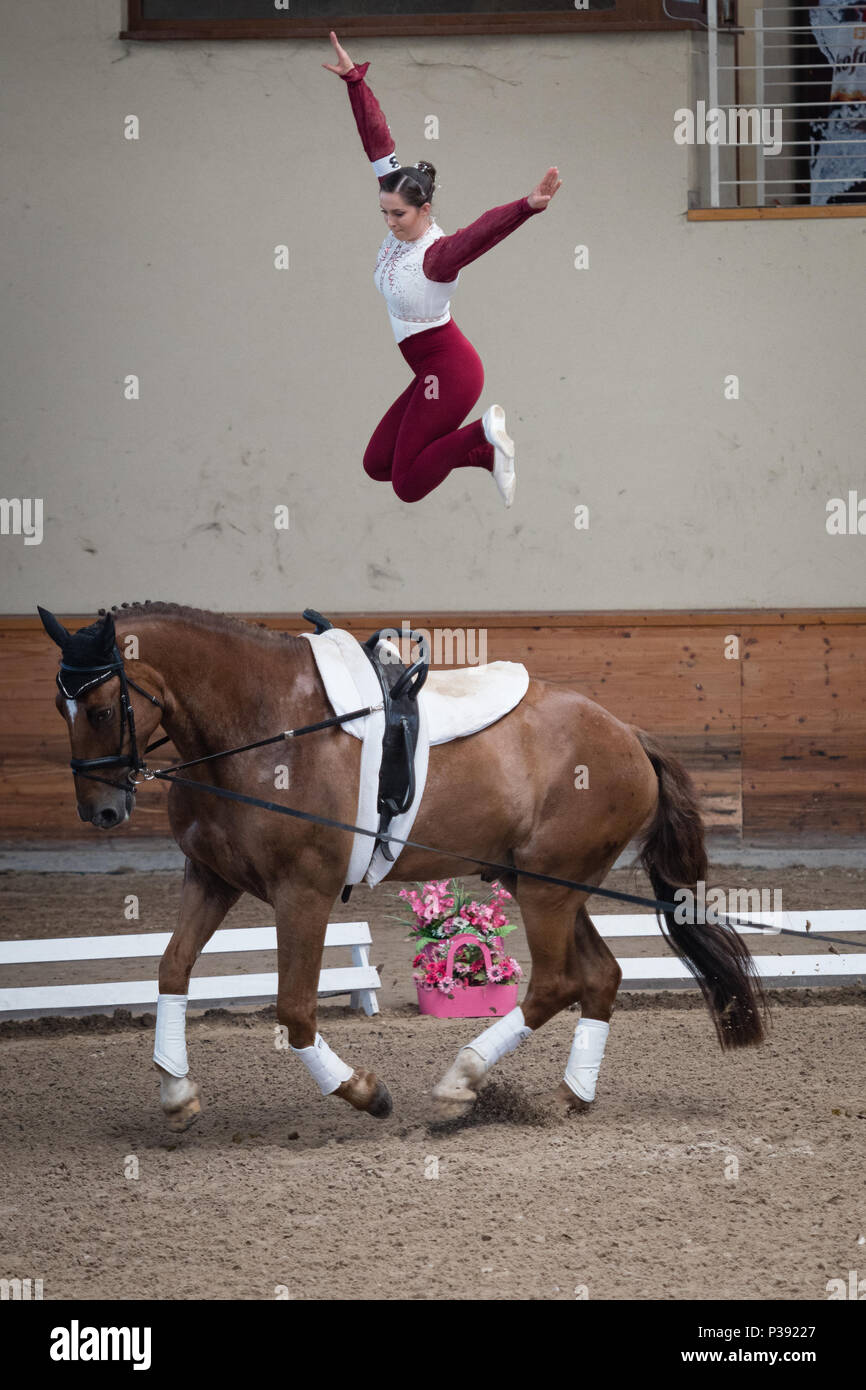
(584, 1060)
(169, 1048)
(500, 1038)
(324, 1066)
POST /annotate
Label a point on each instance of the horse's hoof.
(452, 1103)
(181, 1119)
(381, 1105)
(448, 1111)
(461, 1095)
(568, 1102)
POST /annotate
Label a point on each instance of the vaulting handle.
(319, 623)
(417, 672)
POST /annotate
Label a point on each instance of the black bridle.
(131, 759)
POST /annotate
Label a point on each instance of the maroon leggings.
(418, 442)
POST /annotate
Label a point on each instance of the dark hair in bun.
(414, 183)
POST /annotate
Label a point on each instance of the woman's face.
(406, 222)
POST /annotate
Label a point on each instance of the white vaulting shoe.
(504, 475)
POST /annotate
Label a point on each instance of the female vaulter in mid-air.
(419, 441)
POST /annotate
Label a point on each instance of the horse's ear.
(55, 629)
(107, 635)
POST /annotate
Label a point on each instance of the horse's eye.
(101, 716)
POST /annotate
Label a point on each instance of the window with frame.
(270, 19)
(777, 121)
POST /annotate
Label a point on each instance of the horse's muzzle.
(108, 815)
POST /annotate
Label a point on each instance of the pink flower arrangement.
(442, 909)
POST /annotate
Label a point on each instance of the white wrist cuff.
(169, 1048)
(584, 1060)
(386, 165)
(324, 1066)
(500, 1038)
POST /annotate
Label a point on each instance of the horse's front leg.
(204, 903)
(302, 920)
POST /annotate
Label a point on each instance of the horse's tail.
(674, 856)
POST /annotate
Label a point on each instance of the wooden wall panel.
(776, 740)
(804, 730)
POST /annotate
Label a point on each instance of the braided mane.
(199, 617)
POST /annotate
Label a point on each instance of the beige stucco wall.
(261, 387)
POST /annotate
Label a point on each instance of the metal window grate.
(786, 90)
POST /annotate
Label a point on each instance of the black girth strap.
(400, 687)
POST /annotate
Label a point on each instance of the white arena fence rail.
(361, 980)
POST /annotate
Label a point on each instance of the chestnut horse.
(507, 794)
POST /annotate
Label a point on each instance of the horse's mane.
(198, 617)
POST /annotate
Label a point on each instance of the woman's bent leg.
(379, 454)
(449, 378)
(415, 475)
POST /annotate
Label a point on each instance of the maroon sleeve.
(451, 253)
(369, 117)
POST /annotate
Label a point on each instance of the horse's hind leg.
(302, 920)
(598, 979)
(549, 914)
(204, 903)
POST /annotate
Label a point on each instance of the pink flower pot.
(473, 1001)
(468, 1001)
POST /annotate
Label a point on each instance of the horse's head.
(107, 731)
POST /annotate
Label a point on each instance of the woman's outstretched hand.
(344, 62)
(541, 196)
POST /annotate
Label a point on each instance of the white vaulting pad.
(459, 703)
(452, 704)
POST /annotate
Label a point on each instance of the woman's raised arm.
(369, 117)
(450, 254)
